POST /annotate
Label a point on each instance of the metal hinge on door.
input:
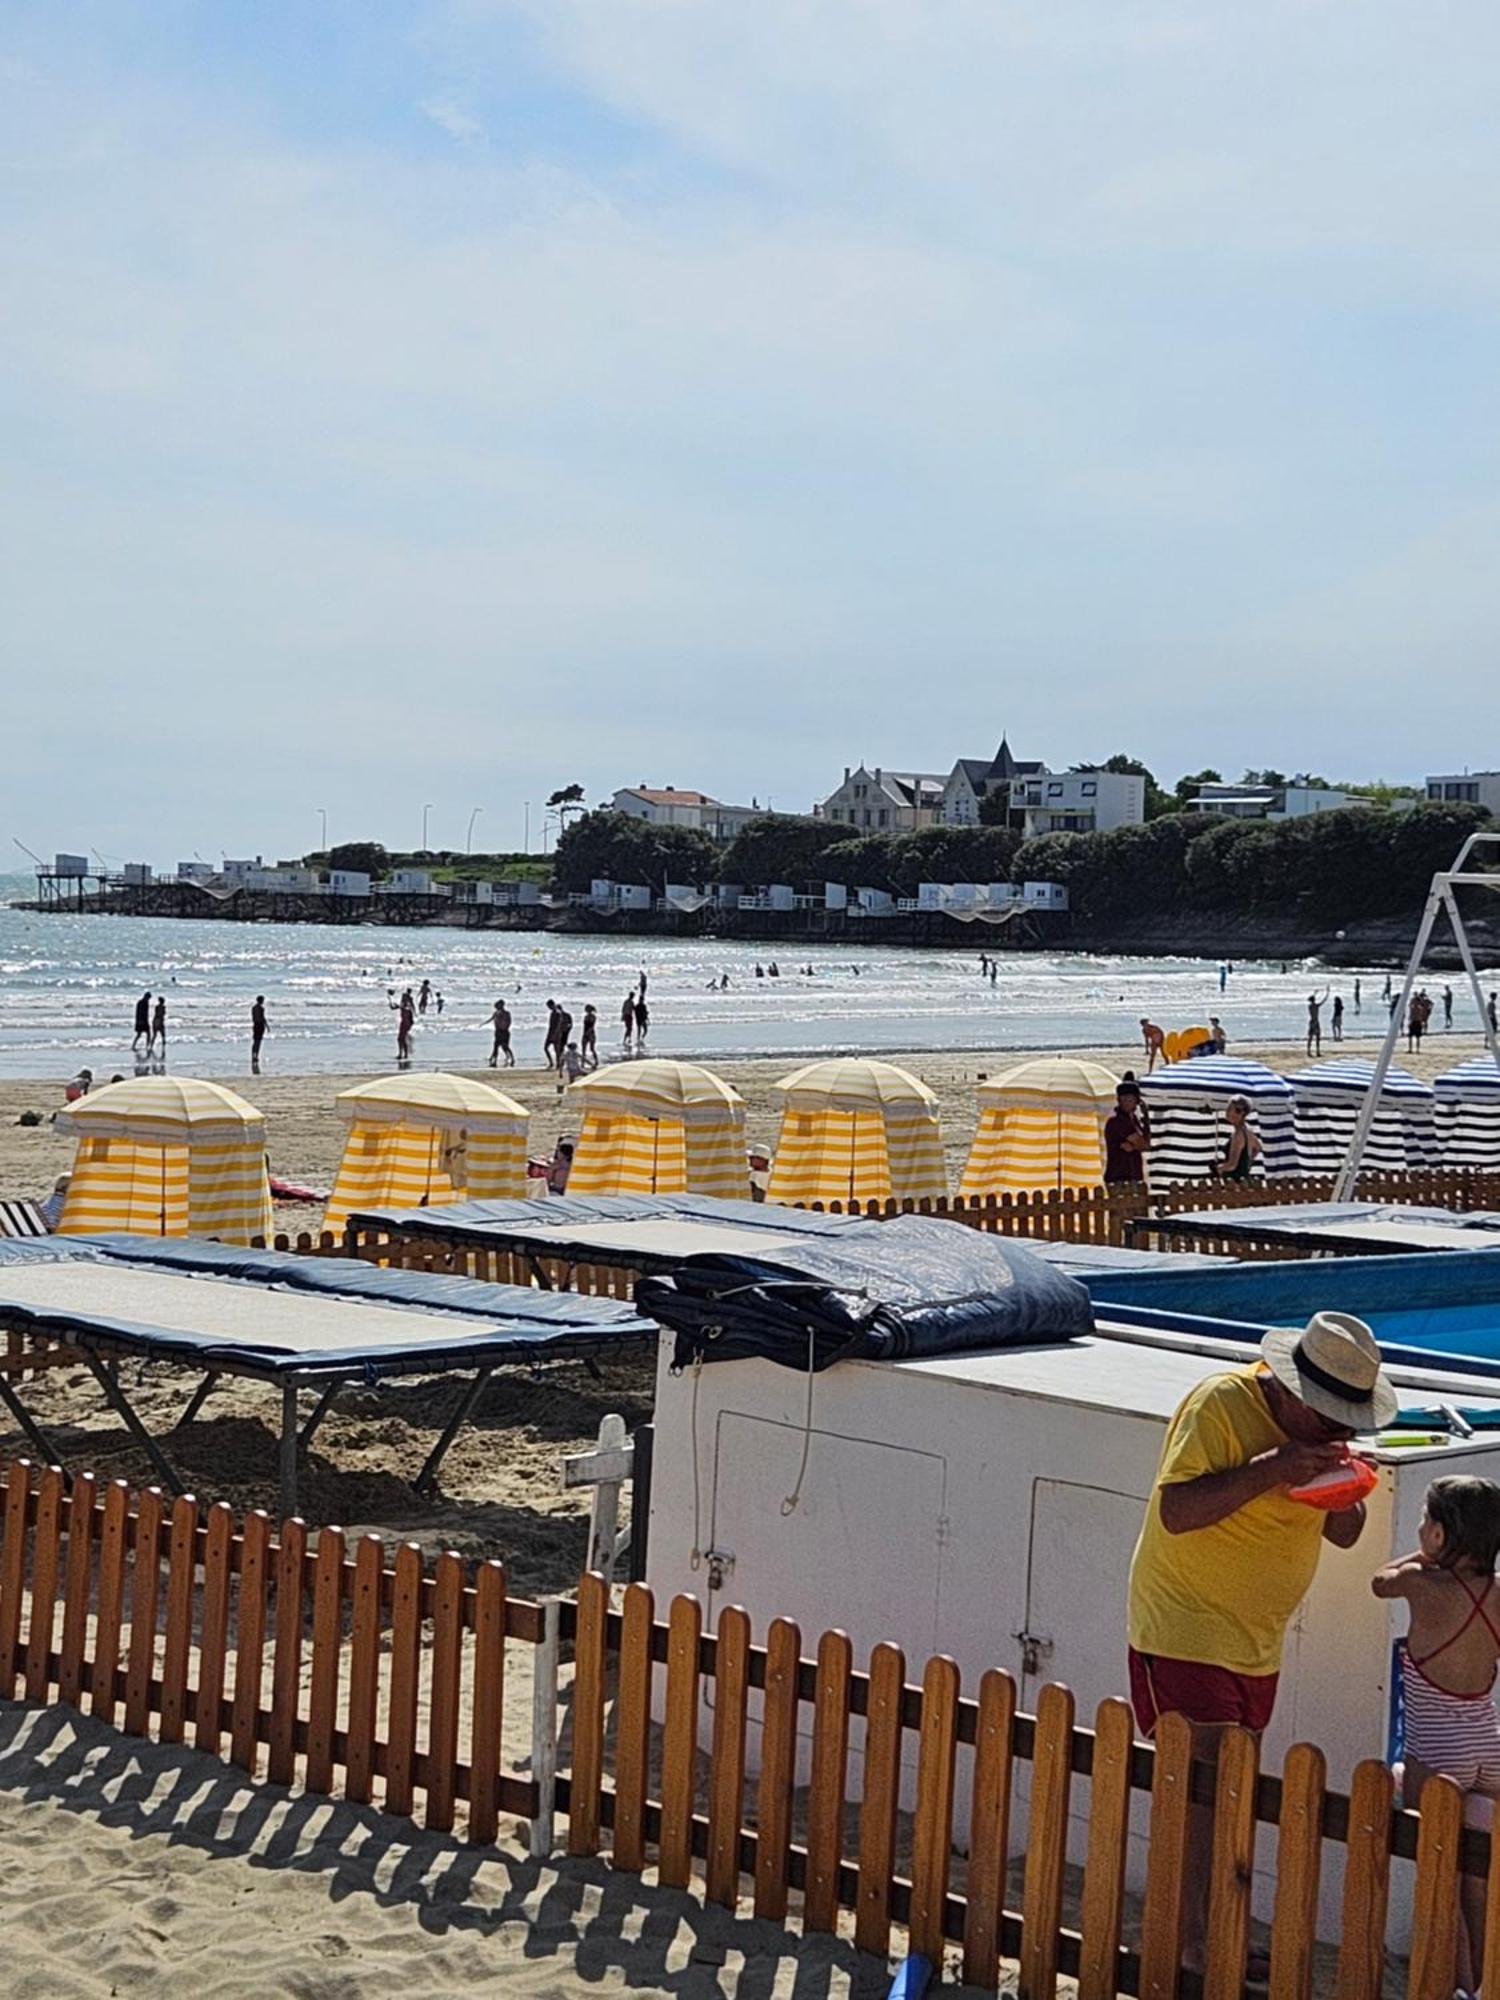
(1034, 1649)
(720, 1563)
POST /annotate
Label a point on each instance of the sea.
(68, 987)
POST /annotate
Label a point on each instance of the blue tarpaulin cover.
(878, 1290)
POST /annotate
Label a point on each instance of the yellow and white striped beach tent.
(659, 1127)
(421, 1139)
(1041, 1125)
(167, 1156)
(857, 1130)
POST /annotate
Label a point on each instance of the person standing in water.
(500, 1046)
(1447, 1007)
(406, 1019)
(424, 996)
(257, 1032)
(1356, 996)
(642, 1021)
(1315, 1021)
(1337, 1017)
(627, 1021)
(156, 1042)
(590, 1041)
(142, 1023)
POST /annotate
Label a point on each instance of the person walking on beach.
(1315, 1021)
(1386, 995)
(562, 1022)
(424, 996)
(551, 1047)
(1127, 1136)
(142, 1023)
(589, 1046)
(1218, 1041)
(500, 1046)
(1225, 1555)
(1154, 1041)
(1337, 1017)
(1448, 1667)
(627, 1020)
(1447, 1008)
(406, 1020)
(642, 1021)
(1356, 996)
(156, 1041)
(257, 1032)
(1494, 1023)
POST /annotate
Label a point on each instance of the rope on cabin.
(793, 1499)
(695, 1560)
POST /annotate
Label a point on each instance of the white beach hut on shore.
(1187, 1104)
(1327, 1099)
(1467, 1116)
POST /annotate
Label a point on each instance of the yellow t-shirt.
(1222, 1595)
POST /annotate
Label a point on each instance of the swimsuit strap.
(1477, 1610)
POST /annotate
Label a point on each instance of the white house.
(194, 871)
(1274, 802)
(666, 806)
(1077, 801)
(1466, 788)
(882, 801)
(972, 779)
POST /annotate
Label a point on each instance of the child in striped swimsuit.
(1448, 1667)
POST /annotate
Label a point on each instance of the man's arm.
(1214, 1496)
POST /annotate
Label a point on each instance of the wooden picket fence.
(170, 1622)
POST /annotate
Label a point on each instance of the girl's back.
(1454, 1638)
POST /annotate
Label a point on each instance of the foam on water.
(70, 984)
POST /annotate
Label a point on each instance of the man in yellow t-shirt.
(1225, 1556)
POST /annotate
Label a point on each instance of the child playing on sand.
(1448, 1668)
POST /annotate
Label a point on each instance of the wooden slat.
(633, 1728)
(114, 1535)
(932, 1833)
(1299, 1854)
(989, 1828)
(218, 1563)
(46, 1568)
(327, 1646)
(882, 1798)
(488, 1721)
(145, 1586)
(286, 1660)
(13, 1573)
(364, 1670)
(250, 1639)
(825, 1792)
(1367, 1883)
(1103, 1907)
(1232, 1866)
(1434, 1916)
(588, 1714)
(82, 1525)
(182, 1564)
(679, 1743)
(1166, 1860)
(778, 1766)
(1489, 1970)
(447, 1664)
(726, 1784)
(1046, 1843)
(406, 1645)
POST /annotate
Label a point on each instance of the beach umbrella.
(1041, 1125)
(1327, 1099)
(167, 1156)
(423, 1138)
(1467, 1099)
(659, 1127)
(853, 1129)
(1186, 1106)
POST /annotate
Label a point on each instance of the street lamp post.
(528, 826)
(425, 811)
(469, 836)
(323, 817)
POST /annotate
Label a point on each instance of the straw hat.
(1333, 1365)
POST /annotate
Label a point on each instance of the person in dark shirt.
(142, 1020)
(257, 1032)
(1127, 1135)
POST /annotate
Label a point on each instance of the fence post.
(882, 1794)
(1294, 1924)
(1047, 1843)
(932, 1833)
(1233, 1864)
(1434, 1927)
(1109, 1832)
(1367, 1876)
(544, 1732)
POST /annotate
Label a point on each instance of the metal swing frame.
(1440, 898)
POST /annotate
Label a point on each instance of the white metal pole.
(1491, 1040)
(544, 1731)
(1348, 1177)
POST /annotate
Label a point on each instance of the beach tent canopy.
(1186, 1106)
(1468, 1113)
(857, 1130)
(1041, 1125)
(659, 1127)
(421, 1139)
(167, 1156)
(1327, 1099)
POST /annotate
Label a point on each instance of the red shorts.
(1202, 1693)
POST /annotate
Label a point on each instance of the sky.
(432, 403)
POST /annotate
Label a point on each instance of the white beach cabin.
(986, 1505)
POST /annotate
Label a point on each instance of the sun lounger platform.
(1351, 1228)
(300, 1322)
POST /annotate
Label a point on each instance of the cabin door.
(1082, 1539)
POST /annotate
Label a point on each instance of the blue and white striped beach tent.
(1188, 1129)
(1468, 1113)
(1328, 1099)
